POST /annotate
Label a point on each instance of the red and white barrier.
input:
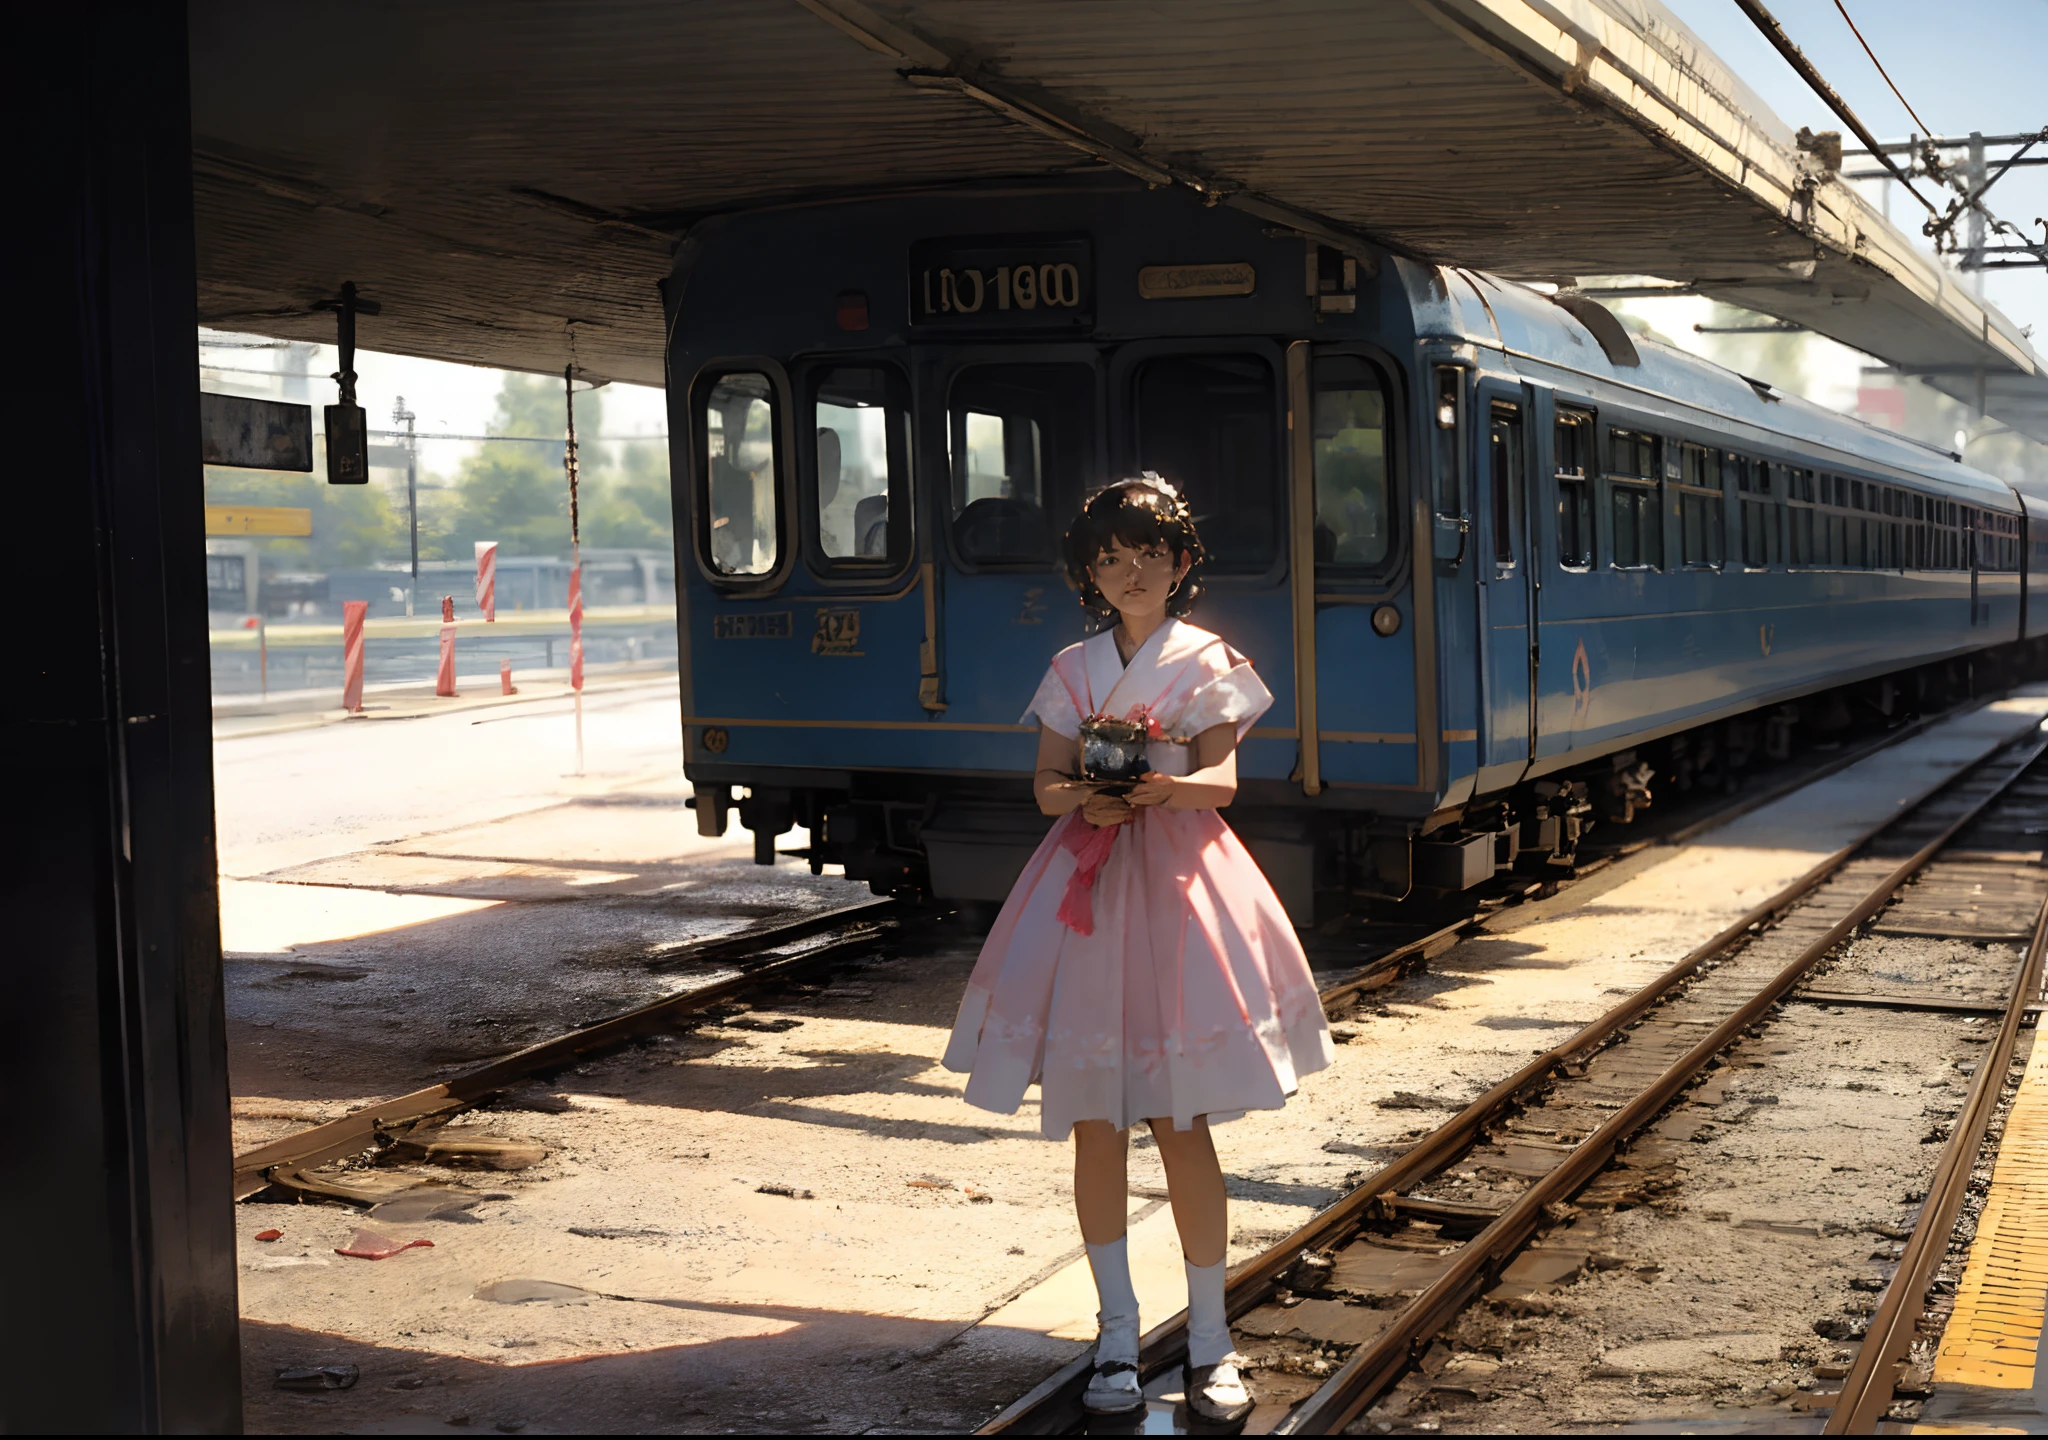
(576, 627)
(487, 578)
(352, 613)
(444, 678)
(505, 685)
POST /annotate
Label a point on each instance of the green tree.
(518, 495)
(627, 504)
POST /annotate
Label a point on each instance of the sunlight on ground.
(261, 918)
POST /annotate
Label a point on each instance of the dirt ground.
(649, 1273)
(1734, 1297)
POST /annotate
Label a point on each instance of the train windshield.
(739, 440)
(1022, 445)
(1210, 424)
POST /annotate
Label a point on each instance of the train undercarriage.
(965, 838)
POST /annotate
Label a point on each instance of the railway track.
(763, 955)
(1398, 948)
(1589, 1092)
(1353, 1298)
(768, 954)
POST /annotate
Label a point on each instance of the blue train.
(1506, 566)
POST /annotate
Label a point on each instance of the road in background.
(283, 799)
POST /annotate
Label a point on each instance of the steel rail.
(1866, 1392)
(1374, 1367)
(1380, 970)
(1043, 1408)
(281, 1161)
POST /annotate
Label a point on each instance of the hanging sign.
(1023, 283)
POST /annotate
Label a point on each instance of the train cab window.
(1353, 511)
(1702, 515)
(859, 489)
(1211, 425)
(1021, 442)
(1635, 465)
(738, 461)
(1573, 464)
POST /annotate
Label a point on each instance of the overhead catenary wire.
(1925, 128)
(1796, 58)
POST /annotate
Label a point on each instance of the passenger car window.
(1635, 463)
(1021, 443)
(1353, 510)
(1210, 424)
(1702, 524)
(859, 461)
(1573, 463)
(1504, 474)
(737, 423)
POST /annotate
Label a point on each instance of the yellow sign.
(258, 520)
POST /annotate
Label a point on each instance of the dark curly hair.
(1138, 513)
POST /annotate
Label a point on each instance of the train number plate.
(999, 284)
(776, 625)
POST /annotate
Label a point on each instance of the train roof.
(1529, 326)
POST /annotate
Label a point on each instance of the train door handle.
(1451, 531)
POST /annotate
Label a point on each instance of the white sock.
(1208, 1329)
(1118, 1317)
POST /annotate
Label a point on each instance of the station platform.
(1988, 1374)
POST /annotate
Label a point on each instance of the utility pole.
(412, 493)
(1973, 179)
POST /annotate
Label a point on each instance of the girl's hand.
(1152, 789)
(1103, 810)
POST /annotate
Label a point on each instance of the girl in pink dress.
(1142, 968)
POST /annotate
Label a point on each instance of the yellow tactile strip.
(1994, 1336)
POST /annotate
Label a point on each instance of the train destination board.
(1002, 284)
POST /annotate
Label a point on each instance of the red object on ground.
(447, 609)
(253, 621)
(487, 578)
(505, 685)
(270, 1234)
(352, 613)
(369, 1245)
(444, 678)
(576, 627)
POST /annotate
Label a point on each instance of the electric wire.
(1796, 58)
(1925, 128)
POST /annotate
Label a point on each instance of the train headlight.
(1386, 620)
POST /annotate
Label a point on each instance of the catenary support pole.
(575, 555)
(117, 1289)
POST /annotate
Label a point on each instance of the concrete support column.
(117, 1276)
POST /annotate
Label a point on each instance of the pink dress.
(1170, 986)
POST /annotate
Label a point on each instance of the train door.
(1210, 416)
(1013, 442)
(1507, 588)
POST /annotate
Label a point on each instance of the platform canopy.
(495, 177)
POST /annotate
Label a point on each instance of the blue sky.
(1964, 64)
